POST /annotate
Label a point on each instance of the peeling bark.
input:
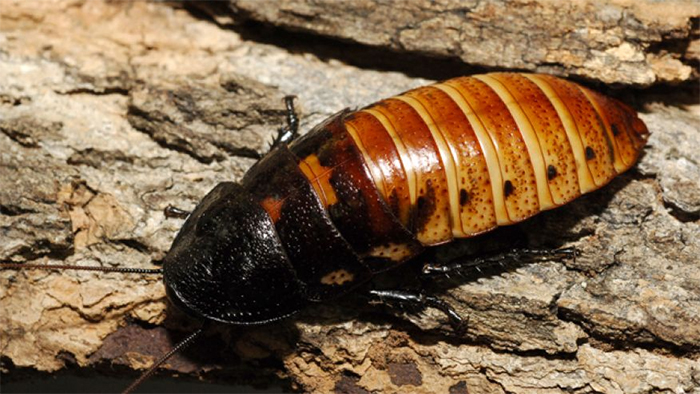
(111, 111)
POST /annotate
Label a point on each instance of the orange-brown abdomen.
(460, 157)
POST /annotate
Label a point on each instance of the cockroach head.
(227, 263)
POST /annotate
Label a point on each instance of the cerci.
(367, 190)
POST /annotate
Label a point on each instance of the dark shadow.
(114, 379)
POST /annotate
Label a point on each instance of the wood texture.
(621, 41)
(111, 111)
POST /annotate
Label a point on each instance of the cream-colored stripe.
(619, 162)
(488, 148)
(448, 159)
(408, 166)
(529, 136)
(585, 179)
(373, 166)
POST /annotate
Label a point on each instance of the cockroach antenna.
(20, 266)
(150, 371)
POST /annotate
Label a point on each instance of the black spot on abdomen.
(590, 153)
(463, 197)
(508, 188)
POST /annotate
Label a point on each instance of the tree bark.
(109, 112)
(621, 41)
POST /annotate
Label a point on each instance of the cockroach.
(367, 190)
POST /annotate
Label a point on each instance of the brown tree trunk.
(109, 112)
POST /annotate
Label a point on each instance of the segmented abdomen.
(366, 190)
(461, 157)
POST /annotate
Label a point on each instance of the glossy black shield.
(227, 263)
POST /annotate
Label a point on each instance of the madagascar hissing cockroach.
(367, 190)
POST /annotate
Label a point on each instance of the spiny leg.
(475, 265)
(288, 133)
(419, 301)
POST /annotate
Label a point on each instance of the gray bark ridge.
(628, 42)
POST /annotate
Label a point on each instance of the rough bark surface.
(111, 111)
(639, 42)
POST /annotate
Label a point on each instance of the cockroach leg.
(419, 301)
(288, 133)
(476, 265)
